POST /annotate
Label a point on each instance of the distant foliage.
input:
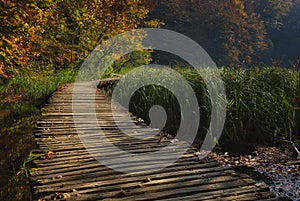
(234, 32)
(272, 12)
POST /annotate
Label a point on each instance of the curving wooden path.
(67, 171)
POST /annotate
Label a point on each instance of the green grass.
(37, 86)
(262, 104)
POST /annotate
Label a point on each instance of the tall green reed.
(262, 104)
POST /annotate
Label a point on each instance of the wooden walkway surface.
(67, 171)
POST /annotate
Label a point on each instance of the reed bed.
(262, 104)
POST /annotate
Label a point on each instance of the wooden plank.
(73, 171)
(110, 181)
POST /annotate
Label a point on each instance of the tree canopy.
(43, 34)
(233, 32)
(53, 34)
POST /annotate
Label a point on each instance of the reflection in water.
(17, 123)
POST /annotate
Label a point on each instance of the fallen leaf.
(50, 154)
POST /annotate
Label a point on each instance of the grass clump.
(36, 87)
(262, 104)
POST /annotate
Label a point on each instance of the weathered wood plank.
(72, 169)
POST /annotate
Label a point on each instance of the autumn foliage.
(58, 33)
(46, 35)
(233, 32)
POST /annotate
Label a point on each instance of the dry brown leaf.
(50, 154)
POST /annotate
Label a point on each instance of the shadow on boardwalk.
(69, 172)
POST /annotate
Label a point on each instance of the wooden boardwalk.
(67, 171)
